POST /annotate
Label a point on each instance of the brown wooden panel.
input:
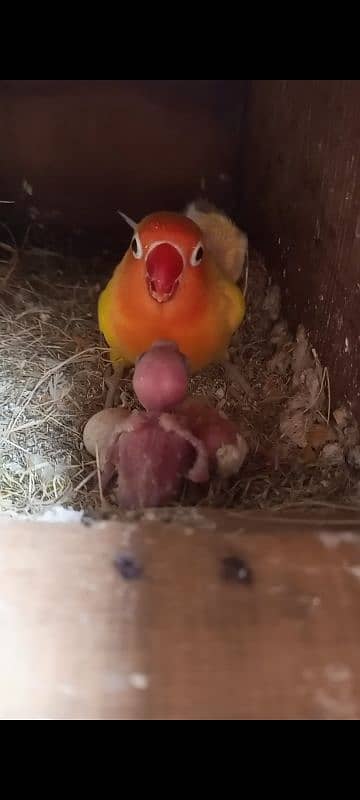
(301, 201)
(80, 642)
(90, 147)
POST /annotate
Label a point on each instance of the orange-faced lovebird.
(169, 287)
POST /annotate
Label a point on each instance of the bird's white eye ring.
(197, 255)
(136, 246)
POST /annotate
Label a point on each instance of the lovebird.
(168, 287)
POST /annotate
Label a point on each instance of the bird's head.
(168, 248)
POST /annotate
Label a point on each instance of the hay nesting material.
(52, 380)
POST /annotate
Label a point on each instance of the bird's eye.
(197, 255)
(136, 246)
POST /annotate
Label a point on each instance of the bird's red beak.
(164, 266)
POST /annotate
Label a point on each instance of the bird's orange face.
(170, 250)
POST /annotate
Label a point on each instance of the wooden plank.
(300, 204)
(90, 147)
(181, 642)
